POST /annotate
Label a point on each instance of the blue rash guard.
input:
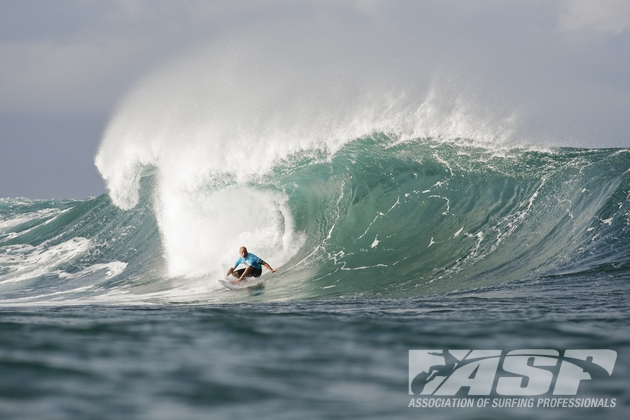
(251, 260)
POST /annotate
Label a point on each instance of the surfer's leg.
(242, 273)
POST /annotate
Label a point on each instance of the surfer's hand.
(273, 271)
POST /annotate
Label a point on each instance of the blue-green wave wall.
(379, 217)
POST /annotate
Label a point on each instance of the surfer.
(253, 263)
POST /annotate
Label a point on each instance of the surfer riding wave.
(253, 269)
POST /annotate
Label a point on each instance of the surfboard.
(243, 286)
(229, 285)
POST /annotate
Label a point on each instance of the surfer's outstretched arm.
(268, 267)
(230, 271)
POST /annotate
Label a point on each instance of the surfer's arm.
(231, 270)
(268, 267)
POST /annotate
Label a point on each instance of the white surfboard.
(229, 285)
(242, 286)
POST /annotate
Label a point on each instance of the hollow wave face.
(390, 218)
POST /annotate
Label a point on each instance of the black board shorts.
(255, 272)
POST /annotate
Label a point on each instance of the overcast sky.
(563, 67)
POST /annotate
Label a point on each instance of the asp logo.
(513, 373)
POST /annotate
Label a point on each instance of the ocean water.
(110, 306)
(333, 358)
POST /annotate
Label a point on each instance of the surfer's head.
(243, 251)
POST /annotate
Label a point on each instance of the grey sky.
(563, 67)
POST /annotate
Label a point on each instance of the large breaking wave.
(351, 182)
(380, 217)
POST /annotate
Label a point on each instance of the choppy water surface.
(302, 359)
